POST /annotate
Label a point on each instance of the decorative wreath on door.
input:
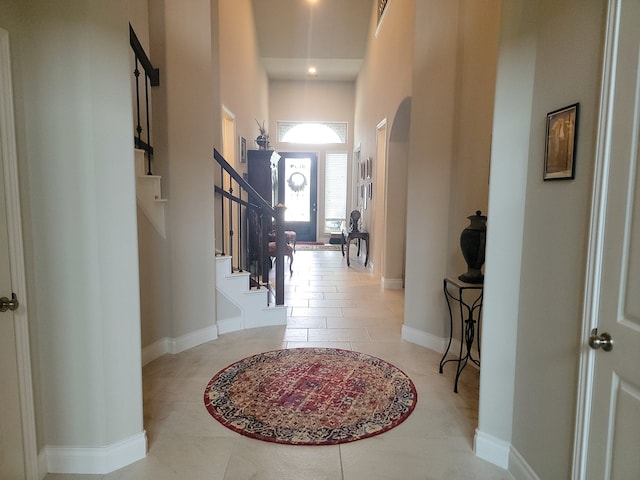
(297, 182)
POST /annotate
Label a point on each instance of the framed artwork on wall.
(560, 144)
(243, 150)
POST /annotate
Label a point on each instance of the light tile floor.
(329, 305)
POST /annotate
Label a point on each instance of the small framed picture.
(243, 150)
(560, 144)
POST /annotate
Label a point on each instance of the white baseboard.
(392, 283)
(492, 449)
(423, 338)
(42, 464)
(519, 467)
(155, 350)
(177, 345)
(435, 343)
(96, 460)
(229, 325)
(194, 339)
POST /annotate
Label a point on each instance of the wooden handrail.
(262, 203)
(152, 72)
(235, 199)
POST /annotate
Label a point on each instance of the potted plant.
(263, 138)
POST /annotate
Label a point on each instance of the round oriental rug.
(310, 396)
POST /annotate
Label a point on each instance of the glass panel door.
(299, 184)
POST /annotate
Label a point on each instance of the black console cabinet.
(262, 175)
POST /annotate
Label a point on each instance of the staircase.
(239, 307)
(149, 195)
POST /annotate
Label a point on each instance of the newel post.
(281, 246)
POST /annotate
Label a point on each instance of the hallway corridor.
(329, 305)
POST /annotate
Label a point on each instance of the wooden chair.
(354, 233)
(289, 235)
(288, 253)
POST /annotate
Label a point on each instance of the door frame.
(595, 246)
(229, 143)
(379, 200)
(314, 157)
(9, 158)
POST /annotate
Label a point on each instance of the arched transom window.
(316, 133)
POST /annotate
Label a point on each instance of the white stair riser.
(267, 317)
(140, 163)
(149, 194)
(252, 303)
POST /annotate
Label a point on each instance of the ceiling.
(328, 34)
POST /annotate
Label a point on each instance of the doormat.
(320, 246)
(310, 396)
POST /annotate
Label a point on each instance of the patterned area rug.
(310, 396)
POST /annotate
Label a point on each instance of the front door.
(298, 174)
(612, 419)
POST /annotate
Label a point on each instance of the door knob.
(603, 341)
(6, 304)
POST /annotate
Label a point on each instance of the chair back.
(354, 219)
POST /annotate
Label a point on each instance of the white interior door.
(17, 424)
(612, 417)
(11, 442)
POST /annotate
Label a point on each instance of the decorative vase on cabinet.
(472, 243)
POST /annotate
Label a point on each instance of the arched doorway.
(396, 201)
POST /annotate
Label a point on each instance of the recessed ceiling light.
(312, 71)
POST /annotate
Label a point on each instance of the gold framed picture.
(560, 144)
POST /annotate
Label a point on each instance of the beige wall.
(430, 164)
(78, 232)
(187, 125)
(445, 70)
(73, 117)
(477, 56)
(385, 81)
(554, 234)
(453, 79)
(511, 137)
(154, 252)
(313, 101)
(537, 247)
(244, 87)
(191, 47)
(138, 11)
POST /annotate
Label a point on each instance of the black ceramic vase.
(472, 243)
(262, 142)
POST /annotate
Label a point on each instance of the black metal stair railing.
(151, 79)
(245, 220)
